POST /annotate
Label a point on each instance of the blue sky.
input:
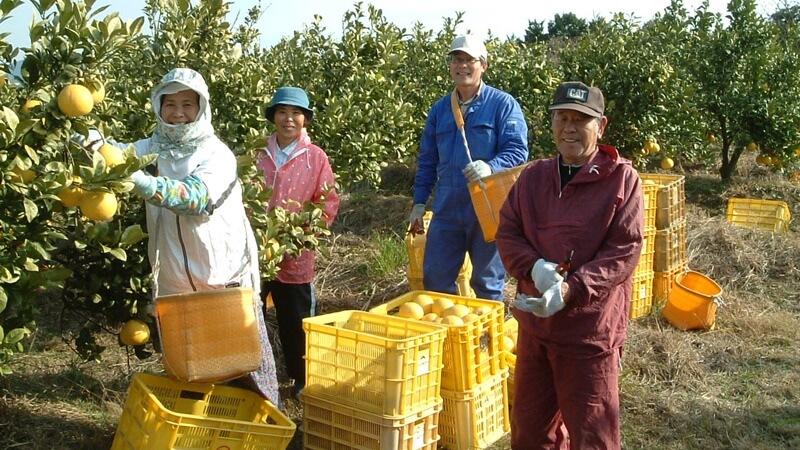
(283, 18)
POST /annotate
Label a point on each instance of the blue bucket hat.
(289, 96)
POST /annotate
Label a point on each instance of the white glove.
(476, 170)
(544, 275)
(143, 184)
(417, 213)
(93, 141)
(548, 304)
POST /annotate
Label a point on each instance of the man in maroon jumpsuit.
(570, 232)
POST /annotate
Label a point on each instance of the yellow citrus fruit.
(481, 310)
(22, 175)
(30, 104)
(751, 147)
(112, 155)
(711, 138)
(99, 205)
(470, 317)
(75, 100)
(456, 310)
(667, 163)
(440, 304)
(97, 90)
(71, 195)
(655, 147)
(797, 151)
(426, 301)
(508, 344)
(134, 332)
(452, 320)
(763, 160)
(430, 317)
(411, 310)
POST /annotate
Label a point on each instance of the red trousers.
(562, 401)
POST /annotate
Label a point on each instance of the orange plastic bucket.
(692, 302)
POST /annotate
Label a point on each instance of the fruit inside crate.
(472, 348)
(382, 364)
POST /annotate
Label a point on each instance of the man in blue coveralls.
(497, 138)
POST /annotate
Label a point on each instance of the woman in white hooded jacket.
(199, 235)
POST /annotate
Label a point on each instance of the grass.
(734, 387)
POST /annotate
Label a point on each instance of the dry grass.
(735, 387)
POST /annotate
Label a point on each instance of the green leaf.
(31, 210)
(131, 235)
(119, 253)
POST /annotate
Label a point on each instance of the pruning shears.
(563, 267)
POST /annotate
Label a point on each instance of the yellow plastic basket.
(511, 326)
(650, 193)
(160, 413)
(488, 195)
(646, 260)
(641, 294)
(477, 418)
(209, 336)
(380, 364)
(663, 282)
(415, 245)
(670, 247)
(330, 425)
(472, 352)
(771, 215)
(670, 199)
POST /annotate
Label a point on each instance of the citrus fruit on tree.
(113, 155)
(75, 100)
(99, 205)
(22, 175)
(667, 163)
(134, 332)
(30, 104)
(97, 90)
(71, 195)
(764, 160)
(751, 147)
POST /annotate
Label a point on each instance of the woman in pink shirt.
(297, 171)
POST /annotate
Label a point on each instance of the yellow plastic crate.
(670, 247)
(648, 251)
(670, 199)
(488, 195)
(650, 194)
(511, 326)
(771, 215)
(641, 294)
(472, 352)
(160, 413)
(380, 364)
(663, 282)
(328, 425)
(477, 418)
(415, 246)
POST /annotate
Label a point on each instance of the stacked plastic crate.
(160, 413)
(642, 289)
(670, 237)
(415, 245)
(373, 382)
(474, 377)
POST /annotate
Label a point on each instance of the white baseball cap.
(470, 45)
